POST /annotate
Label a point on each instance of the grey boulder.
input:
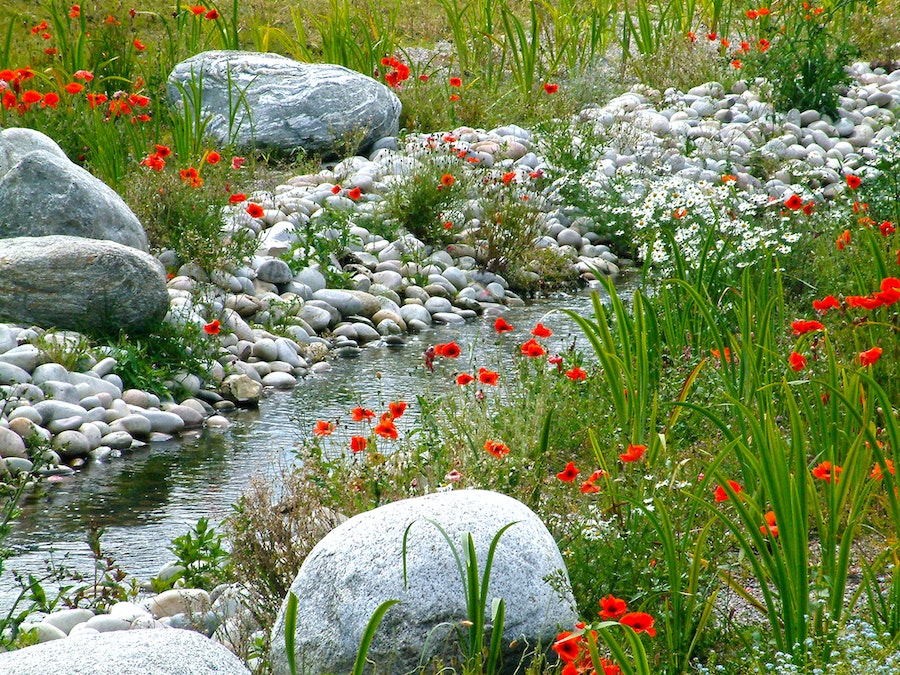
(88, 285)
(267, 100)
(359, 565)
(133, 652)
(44, 193)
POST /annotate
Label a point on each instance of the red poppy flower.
(31, 96)
(589, 487)
(501, 326)
(449, 350)
(853, 181)
(154, 162)
(711, 37)
(722, 496)
(633, 454)
(323, 428)
(640, 622)
(770, 527)
(455, 82)
(386, 429)
(447, 180)
(551, 88)
(237, 162)
(358, 443)
(140, 46)
(336, 190)
(463, 379)
(566, 646)
(612, 608)
(213, 157)
(576, 374)
(197, 10)
(736, 64)
(878, 471)
(826, 303)
(825, 470)
(800, 327)
(486, 376)
(255, 210)
(533, 349)
(886, 228)
(9, 99)
(96, 99)
(213, 327)
(74, 11)
(212, 15)
(794, 202)
(508, 177)
(568, 474)
(85, 75)
(454, 97)
(397, 408)
(763, 11)
(237, 198)
(842, 240)
(362, 414)
(797, 361)
(50, 100)
(541, 331)
(751, 14)
(870, 356)
(355, 193)
(496, 448)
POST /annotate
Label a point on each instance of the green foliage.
(323, 241)
(477, 658)
(150, 362)
(423, 201)
(201, 554)
(106, 586)
(808, 53)
(188, 217)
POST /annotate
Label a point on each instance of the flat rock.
(322, 108)
(92, 286)
(139, 652)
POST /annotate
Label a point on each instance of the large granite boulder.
(92, 286)
(132, 652)
(44, 193)
(267, 100)
(359, 565)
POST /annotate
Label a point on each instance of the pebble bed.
(696, 136)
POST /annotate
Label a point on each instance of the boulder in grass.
(267, 100)
(43, 193)
(359, 565)
(132, 652)
(88, 285)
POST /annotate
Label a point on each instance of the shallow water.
(144, 499)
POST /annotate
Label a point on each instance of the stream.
(148, 496)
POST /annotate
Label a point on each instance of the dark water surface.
(147, 497)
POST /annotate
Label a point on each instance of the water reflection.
(153, 494)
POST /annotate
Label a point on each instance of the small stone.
(178, 601)
(71, 444)
(117, 440)
(66, 619)
(11, 444)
